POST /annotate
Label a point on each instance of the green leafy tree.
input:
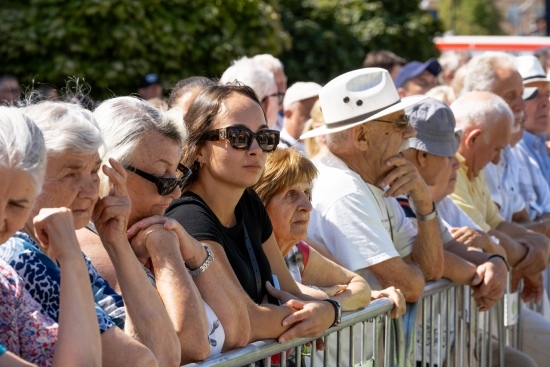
(112, 43)
(330, 37)
(470, 17)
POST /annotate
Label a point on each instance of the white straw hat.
(530, 69)
(356, 97)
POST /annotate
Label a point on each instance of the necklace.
(212, 210)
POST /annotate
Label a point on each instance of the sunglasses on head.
(402, 121)
(165, 186)
(241, 137)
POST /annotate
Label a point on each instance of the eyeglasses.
(280, 97)
(241, 137)
(165, 186)
(403, 121)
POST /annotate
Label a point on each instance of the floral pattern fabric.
(42, 278)
(24, 330)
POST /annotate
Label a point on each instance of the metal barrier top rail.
(432, 288)
(265, 348)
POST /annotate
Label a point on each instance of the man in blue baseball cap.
(417, 78)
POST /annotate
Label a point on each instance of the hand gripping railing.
(263, 350)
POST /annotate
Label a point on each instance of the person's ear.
(265, 103)
(287, 113)
(402, 92)
(360, 137)
(473, 136)
(421, 158)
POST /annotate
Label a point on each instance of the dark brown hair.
(383, 59)
(200, 118)
(187, 85)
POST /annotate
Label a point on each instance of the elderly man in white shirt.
(356, 216)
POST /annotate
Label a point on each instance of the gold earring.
(201, 164)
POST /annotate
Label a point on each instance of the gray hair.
(250, 73)
(268, 61)
(482, 70)
(22, 144)
(124, 121)
(66, 127)
(481, 109)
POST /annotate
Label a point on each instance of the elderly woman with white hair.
(148, 143)
(27, 334)
(72, 140)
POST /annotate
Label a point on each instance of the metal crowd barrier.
(449, 331)
(383, 345)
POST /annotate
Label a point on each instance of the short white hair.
(481, 109)
(250, 73)
(452, 60)
(124, 121)
(22, 144)
(66, 127)
(481, 71)
(270, 62)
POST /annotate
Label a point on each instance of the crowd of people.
(143, 231)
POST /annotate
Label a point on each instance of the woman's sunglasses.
(165, 186)
(241, 137)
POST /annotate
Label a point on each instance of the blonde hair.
(284, 168)
(312, 145)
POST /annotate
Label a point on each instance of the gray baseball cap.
(434, 123)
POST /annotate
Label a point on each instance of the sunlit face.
(509, 86)
(487, 148)
(289, 214)
(421, 84)
(224, 164)
(444, 184)
(435, 167)
(386, 139)
(296, 123)
(72, 181)
(17, 195)
(159, 156)
(537, 109)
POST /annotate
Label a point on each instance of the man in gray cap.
(432, 151)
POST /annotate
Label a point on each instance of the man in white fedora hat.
(356, 216)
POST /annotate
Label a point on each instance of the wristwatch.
(209, 259)
(427, 217)
(337, 311)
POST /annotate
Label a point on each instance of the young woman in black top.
(227, 148)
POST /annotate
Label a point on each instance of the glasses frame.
(222, 134)
(402, 122)
(165, 186)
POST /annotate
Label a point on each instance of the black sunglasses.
(403, 121)
(241, 137)
(165, 186)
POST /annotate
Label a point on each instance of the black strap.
(285, 142)
(255, 266)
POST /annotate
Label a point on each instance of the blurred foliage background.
(113, 43)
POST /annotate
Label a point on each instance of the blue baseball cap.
(414, 69)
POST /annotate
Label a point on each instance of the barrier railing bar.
(338, 349)
(387, 338)
(351, 343)
(432, 333)
(424, 328)
(448, 331)
(440, 331)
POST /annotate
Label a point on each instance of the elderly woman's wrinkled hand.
(473, 237)
(400, 305)
(111, 213)
(54, 229)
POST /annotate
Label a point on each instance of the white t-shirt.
(286, 141)
(453, 216)
(353, 220)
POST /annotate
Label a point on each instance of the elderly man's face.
(386, 139)
(487, 147)
(421, 84)
(509, 86)
(536, 121)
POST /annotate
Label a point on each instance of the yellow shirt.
(474, 198)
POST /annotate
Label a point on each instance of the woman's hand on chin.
(111, 213)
